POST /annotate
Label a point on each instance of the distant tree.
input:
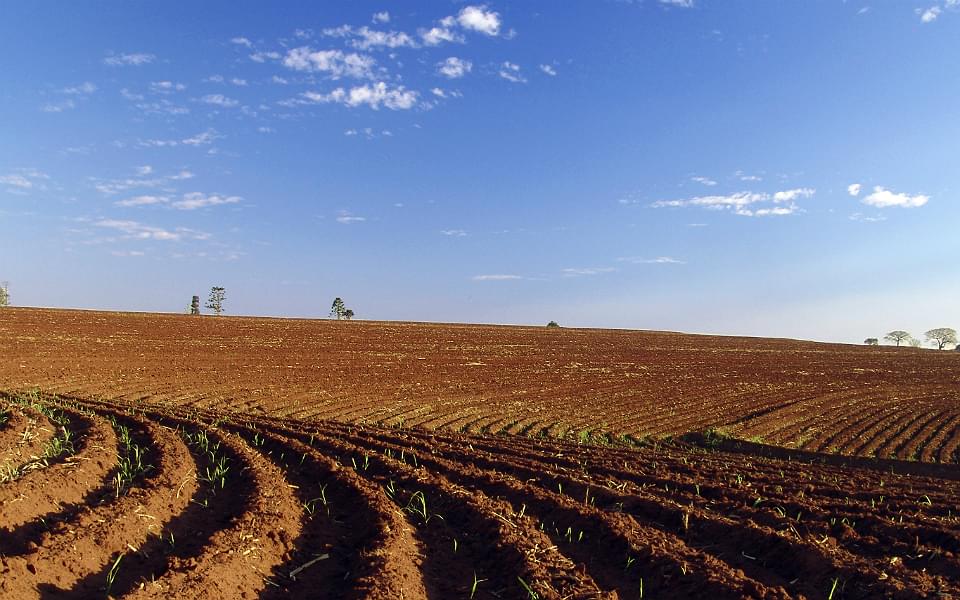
(215, 301)
(553, 324)
(871, 342)
(195, 305)
(897, 336)
(914, 342)
(941, 337)
(338, 309)
(348, 314)
(4, 293)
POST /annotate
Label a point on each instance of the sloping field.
(179, 457)
(566, 383)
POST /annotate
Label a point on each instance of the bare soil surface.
(259, 458)
(870, 401)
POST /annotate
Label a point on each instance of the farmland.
(170, 456)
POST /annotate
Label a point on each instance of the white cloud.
(56, 107)
(144, 170)
(264, 129)
(139, 231)
(496, 277)
(127, 253)
(261, 57)
(511, 72)
(142, 201)
(184, 174)
(84, 89)
(883, 198)
(478, 18)
(165, 87)
(279, 80)
(202, 139)
(334, 63)
(704, 180)
(242, 41)
(23, 180)
(678, 3)
(219, 100)
(124, 60)
(795, 194)
(346, 218)
(381, 17)
(454, 232)
(238, 81)
(375, 95)
(854, 189)
(437, 35)
(574, 272)
(364, 38)
(931, 14)
(454, 68)
(741, 203)
(659, 260)
(195, 200)
(548, 70)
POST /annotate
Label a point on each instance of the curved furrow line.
(855, 426)
(930, 447)
(897, 441)
(71, 480)
(241, 557)
(619, 553)
(71, 559)
(354, 544)
(950, 451)
(466, 535)
(23, 438)
(873, 437)
(733, 506)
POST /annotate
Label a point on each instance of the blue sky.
(744, 167)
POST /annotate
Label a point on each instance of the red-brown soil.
(295, 459)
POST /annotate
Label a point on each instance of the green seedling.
(113, 572)
(531, 595)
(476, 582)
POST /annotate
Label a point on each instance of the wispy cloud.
(364, 38)
(496, 277)
(745, 203)
(219, 100)
(196, 200)
(84, 89)
(139, 231)
(659, 260)
(854, 189)
(345, 217)
(141, 201)
(454, 232)
(549, 70)
(166, 87)
(511, 72)
(126, 60)
(704, 180)
(454, 68)
(677, 3)
(583, 272)
(242, 41)
(333, 63)
(381, 17)
(21, 181)
(375, 95)
(884, 198)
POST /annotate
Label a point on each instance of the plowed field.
(179, 457)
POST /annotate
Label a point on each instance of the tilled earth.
(171, 463)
